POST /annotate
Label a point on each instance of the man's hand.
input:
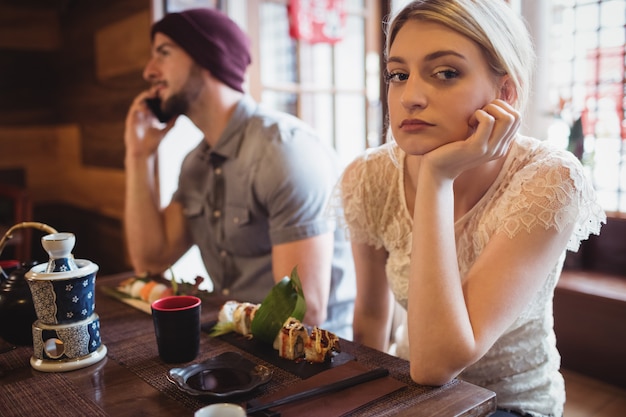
(143, 132)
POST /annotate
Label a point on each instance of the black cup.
(177, 327)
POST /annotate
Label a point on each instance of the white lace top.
(537, 187)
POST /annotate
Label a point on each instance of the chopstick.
(322, 389)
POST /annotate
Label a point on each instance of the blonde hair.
(491, 24)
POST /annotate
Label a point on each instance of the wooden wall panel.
(51, 158)
(27, 84)
(93, 101)
(67, 194)
(23, 28)
(123, 47)
(61, 126)
(98, 238)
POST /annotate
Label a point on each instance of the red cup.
(177, 327)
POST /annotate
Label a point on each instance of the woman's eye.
(392, 77)
(447, 74)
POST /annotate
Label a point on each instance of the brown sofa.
(590, 306)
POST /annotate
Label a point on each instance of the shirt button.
(217, 214)
(218, 171)
(236, 220)
(225, 291)
(223, 253)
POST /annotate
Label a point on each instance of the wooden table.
(131, 380)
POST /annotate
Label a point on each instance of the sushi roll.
(238, 315)
(291, 340)
(227, 312)
(144, 289)
(322, 344)
(242, 317)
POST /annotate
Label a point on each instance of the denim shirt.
(267, 181)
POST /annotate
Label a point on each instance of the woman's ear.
(507, 90)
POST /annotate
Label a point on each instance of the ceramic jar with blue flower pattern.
(66, 335)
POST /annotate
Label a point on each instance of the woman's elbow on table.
(431, 374)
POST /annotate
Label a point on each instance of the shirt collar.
(229, 142)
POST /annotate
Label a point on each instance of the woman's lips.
(414, 125)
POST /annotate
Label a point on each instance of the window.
(332, 87)
(588, 40)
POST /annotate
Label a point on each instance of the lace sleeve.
(360, 208)
(553, 193)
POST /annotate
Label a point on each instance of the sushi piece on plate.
(144, 289)
(243, 316)
(235, 316)
(291, 340)
(321, 345)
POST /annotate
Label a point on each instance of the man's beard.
(179, 102)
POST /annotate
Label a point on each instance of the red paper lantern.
(317, 21)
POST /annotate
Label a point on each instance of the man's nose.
(150, 71)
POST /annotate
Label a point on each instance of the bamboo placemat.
(140, 356)
(38, 390)
(129, 337)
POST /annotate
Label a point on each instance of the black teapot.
(17, 311)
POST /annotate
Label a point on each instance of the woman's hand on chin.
(492, 130)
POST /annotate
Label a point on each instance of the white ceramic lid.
(85, 267)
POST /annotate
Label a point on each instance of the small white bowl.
(221, 410)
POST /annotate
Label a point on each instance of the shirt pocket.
(197, 215)
(193, 209)
(245, 235)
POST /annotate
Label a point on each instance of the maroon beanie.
(212, 39)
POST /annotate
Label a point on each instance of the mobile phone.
(154, 104)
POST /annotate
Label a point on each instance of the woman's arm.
(452, 323)
(373, 308)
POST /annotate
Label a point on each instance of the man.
(252, 195)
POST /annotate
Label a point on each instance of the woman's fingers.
(496, 126)
(507, 118)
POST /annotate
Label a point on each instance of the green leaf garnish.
(222, 328)
(285, 299)
(174, 283)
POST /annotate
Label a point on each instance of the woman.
(461, 218)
